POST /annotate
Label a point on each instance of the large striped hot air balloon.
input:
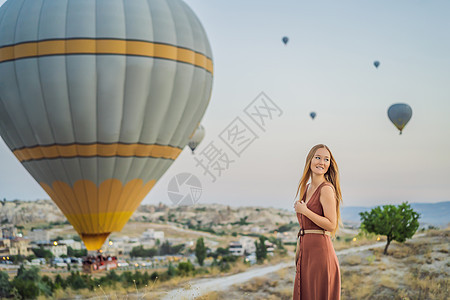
(98, 98)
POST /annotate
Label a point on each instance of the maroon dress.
(318, 276)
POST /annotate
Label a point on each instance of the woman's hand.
(300, 207)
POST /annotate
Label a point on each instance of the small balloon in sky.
(196, 138)
(285, 39)
(376, 64)
(312, 115)
(400, 114)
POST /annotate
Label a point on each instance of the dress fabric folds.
(317, 268)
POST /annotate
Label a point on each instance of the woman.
(317, 268)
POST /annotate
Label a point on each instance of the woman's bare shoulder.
(328, 187)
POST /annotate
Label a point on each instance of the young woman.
(317, 268)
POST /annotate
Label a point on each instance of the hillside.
(211, 217)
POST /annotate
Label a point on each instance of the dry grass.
(416, 269)
(351, 260)
(209, 296)
(425, 285)
(351, 287)
(254, 285)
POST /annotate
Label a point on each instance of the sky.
(326, 67)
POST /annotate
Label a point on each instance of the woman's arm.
(327, 199)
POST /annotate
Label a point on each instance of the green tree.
(171, 271)
(42, 253)
(60, 282)
(5, 285)
(29, 284)
(261, 250)
(397, 223)
(139, 251)
(76, 281)
(16, 259)
(277, 242)
(26, 289)
(243, 221)
(200, 251)
(185, 268)
(127, 278)
(77, 253)
(164, 248)
(48, 281)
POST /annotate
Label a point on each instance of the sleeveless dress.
(318, 276)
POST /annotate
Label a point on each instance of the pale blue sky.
(326, 67)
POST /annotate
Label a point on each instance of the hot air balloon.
(376, 64)
(285, 39)
(98, 98)
(312, 115)
(400, 114)
(196, 138)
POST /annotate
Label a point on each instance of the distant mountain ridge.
(435, 214)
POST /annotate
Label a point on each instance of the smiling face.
(320, 162)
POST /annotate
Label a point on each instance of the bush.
(60, 282)
(42, 253)
(29, 284)
(139, 251)
(171, 271)
(5, 285)
(77, 253)
(77, 281)
(185, 268)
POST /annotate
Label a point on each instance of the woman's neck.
(317, 180)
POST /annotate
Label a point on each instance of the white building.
(39, 235)
(287, 237)
(245, 245)
(270, 247)
(57, 249)
(75, 245)
(8, 232)
(248, 243)
(236, 248)
(151, 234)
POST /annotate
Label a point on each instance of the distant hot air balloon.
(376, 64)
(196, 138)
(400, 114)
(313, 115)
(98, 98)
(285, 39)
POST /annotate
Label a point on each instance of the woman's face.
(320, 161)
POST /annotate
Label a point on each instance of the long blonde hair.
(332, 176)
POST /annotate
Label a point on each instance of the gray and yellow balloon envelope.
(98, 98)
(400, 114)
